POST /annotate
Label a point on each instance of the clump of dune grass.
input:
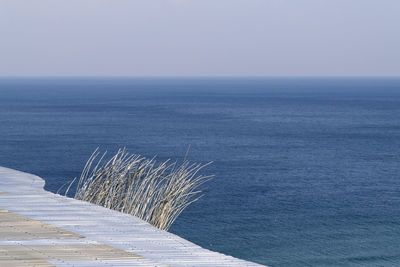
(154, 192)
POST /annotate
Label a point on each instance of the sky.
(200, 38)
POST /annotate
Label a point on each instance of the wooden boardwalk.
(39, 228)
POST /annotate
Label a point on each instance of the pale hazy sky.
(200, 37)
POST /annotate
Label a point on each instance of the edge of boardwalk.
(24, 194)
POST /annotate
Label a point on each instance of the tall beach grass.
(130, 183)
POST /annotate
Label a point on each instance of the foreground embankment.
(40, 228)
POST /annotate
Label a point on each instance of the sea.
(307, 170)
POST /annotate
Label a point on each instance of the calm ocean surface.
(307, 170)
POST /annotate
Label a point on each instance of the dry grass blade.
(156, 193)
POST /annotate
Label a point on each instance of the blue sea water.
(307, 170)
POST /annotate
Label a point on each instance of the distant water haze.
(199, 38)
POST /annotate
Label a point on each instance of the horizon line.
(199, 77)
